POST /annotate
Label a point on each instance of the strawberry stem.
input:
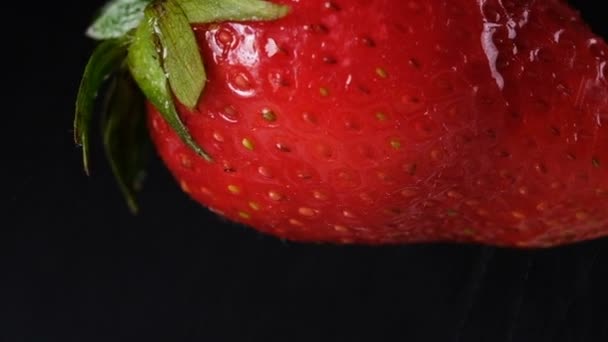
(155, 39)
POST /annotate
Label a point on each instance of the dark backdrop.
(76, 266)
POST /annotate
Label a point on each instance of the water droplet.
(218, 137)
(271, 48)
(230, 114)
(241, 85)
(224, 38)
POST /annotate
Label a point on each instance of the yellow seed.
(392, 211)
(380, 116)
(244, 215)
(396, 144)
(468, 231)
(408, 193)
(348, 214)
(269, 115)
(472, 203)
(324, 91)
(581, 215)
(454, 194)
(186, 161)
(306, 212)
(366, 197)
(234, 189)
(518, 215)
(319, 195)
(295, 222)
(275, 196)
(340, 229)
(248, 144)
(452, 213)
(185, 187)
(556, 185)
(381, 72)
(255, 206)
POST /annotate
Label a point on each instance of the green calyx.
(148, 51)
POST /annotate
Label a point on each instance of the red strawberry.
(390, 121)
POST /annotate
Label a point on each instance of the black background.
(76, 266)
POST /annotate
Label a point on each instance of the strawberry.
(372, 122)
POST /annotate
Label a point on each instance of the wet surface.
(75, 266)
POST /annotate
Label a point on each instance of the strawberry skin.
(392, 121)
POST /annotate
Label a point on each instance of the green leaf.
(145, 65)
(106, 59)
(241, 10)
(117, 18)
(182, 58)
(125, 136)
